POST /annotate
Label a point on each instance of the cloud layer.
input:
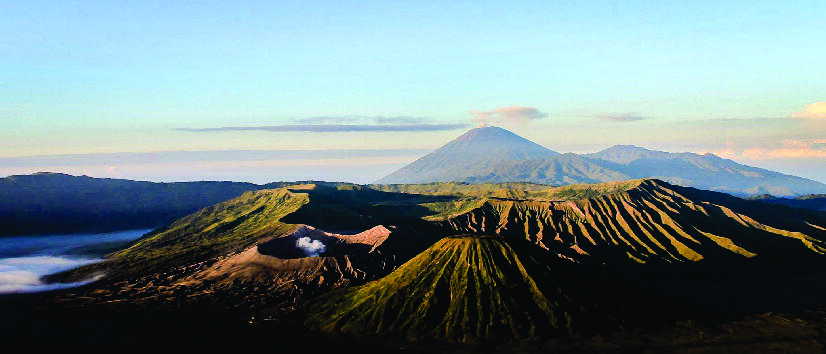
(360, 120)
(787, 149)
(126, 158)
(815, 110)
(509, 113)
(334, 128)
(622, 118)
(22, 274)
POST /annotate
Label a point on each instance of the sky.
(339, 90)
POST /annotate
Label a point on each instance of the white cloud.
(787, 149)
(815, 110)
(622, 118)
(22, 274)
(509, 113)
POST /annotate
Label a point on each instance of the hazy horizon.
(264, 166)
(742, 80)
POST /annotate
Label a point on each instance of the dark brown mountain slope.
(651, 221)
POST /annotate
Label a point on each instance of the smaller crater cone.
(461, 288)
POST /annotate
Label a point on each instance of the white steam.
(310, 247)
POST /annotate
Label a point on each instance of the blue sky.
(734, 78)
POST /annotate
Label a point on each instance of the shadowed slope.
(49, 203)
(461, 288)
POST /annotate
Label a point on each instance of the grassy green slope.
(208, 233)
(504, 190)
(461, 288)
(510, 190)
(472, 196)
(236, 224)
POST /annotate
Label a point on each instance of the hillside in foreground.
(538, 263)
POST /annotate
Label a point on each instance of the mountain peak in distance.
(493, 155)
(490, 139)
(476, 150)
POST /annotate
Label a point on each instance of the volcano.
(468, 155)
(496, 155)
(463, 288)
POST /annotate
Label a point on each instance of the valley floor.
(148, 314)
(39, 326)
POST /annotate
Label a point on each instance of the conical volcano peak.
(486, 132)
(468, 155)
(490, 130)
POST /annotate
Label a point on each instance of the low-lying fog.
(25, 259)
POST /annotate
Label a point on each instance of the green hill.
(535, 261)
(462, 289)
(257, 217)
(204, 235)
(647, 221)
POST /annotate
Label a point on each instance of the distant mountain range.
(492, 154)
